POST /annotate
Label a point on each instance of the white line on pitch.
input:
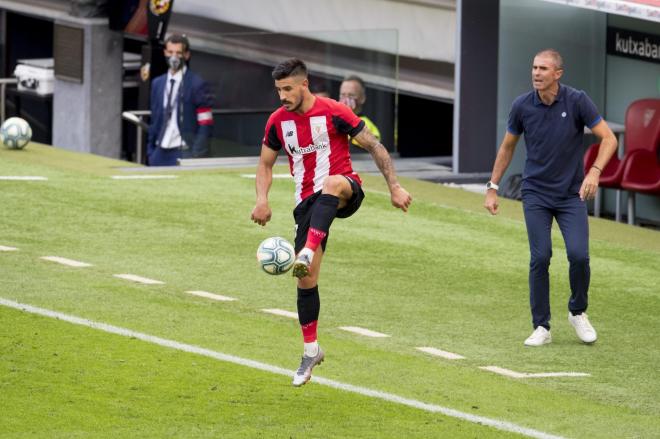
(274, 176)
(4, 248)
(364, 391)
(65, 261)
(139, 279)
(281, 312)
(519, 375)
(211, 296)
(362, 331)
(22, 178)
(143, 177)
(441, 353)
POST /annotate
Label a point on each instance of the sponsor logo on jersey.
(319, 131)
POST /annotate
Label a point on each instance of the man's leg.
(164, 157)
(538, 219)
(336, 193)
(309, 306)
(574, 224)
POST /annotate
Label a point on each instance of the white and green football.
(15, 133)
(276, 255)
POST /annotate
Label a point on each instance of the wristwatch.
(491, 185)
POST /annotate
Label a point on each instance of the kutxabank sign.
(631, 44)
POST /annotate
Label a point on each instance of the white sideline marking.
(4, 248)
(65, 261)
(362, 331)
(212, 296)
(281, 312)
(22, 178)
(142, 177)
(139, 279)
(274, 176)
(365, 391)
(441, 353)
(518, 375)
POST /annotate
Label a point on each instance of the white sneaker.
(539, 337)
(583, 328)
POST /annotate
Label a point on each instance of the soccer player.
(314, 131)
(552, 117)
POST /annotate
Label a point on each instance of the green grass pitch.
(445, 275)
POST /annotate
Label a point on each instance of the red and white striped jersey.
(316, 143)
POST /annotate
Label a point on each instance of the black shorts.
(302, 214)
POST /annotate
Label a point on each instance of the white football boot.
(304, 372)
(302, 263)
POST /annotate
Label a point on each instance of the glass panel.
(238, 68)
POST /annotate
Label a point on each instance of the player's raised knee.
(333, 184)
(336, 185)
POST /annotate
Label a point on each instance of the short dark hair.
(179, 39)
(359, 80)
(555, 55)
(290, 67)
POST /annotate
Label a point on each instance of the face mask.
(348, 101)
(174, 62)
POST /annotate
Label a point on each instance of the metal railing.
(136, 117)
(3, 89)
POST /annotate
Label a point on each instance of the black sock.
(325, 210)
(309, 305)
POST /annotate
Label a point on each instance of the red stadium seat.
(642, 173)
(641, 170)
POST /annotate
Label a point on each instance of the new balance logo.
(289, 133)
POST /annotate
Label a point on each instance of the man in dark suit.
(181, 102)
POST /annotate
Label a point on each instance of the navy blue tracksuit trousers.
(571, 215)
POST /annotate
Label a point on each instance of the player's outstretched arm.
(400, 197)
(502, 161)
(261, 213)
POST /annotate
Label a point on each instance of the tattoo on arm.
(380, 155)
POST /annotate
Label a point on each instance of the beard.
(295, 107)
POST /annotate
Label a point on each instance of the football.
(15, 133)
(276, 255)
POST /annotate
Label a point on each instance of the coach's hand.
(589, 185)
(400, 198)
(261, 214)
(491, 204)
